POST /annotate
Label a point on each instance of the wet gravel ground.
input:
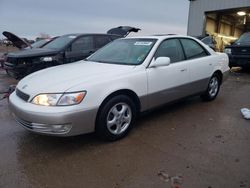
(206, 144)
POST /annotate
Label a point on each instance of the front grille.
(22, 95)
(241, 51)
(12, 60)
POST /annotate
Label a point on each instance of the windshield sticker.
(143, 43)
(72, 37)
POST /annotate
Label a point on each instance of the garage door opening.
(227, 26)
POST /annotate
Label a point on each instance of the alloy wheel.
(119, 118)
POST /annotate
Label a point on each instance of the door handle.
(183, 70)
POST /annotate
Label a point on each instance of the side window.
(83, 44)
(113, 37)
(192, 49)
(170, 48)
(101, 41)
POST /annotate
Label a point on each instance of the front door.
(167, 83)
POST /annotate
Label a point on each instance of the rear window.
(193, 49)
(207, 40)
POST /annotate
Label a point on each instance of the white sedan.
(109, 89)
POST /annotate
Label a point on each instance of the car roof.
(160, 36)
(84, 34)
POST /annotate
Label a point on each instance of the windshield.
(60, 42)
(124, 51)
(244, 38)
(39, 43)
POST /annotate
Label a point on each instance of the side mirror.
(160, 61)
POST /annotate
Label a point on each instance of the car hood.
(17, 42)
(34, 52)
(61, 78)
(239, 44)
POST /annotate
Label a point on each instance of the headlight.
(47, 59)
(46, 99)
(59, 99)
(228, 50)
(71, 98)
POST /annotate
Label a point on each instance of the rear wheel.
(115, 118)
(212, 89)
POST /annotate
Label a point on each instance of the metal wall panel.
(197, 9)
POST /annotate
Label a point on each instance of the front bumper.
(15, 71)
(239, 60)
(60, 121)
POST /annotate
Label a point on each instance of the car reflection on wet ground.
(205, 143)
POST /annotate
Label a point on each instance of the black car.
(64, 49)
(209, 40)
(22, 44)
(239, 52)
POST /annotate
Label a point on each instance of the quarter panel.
(201, 70)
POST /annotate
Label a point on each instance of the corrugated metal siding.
(198, 8)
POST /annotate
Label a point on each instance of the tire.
(115, 118)
(213, 88)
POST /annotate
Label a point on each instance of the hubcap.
(119, 118)
(213, 86)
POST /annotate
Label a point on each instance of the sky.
(29, 18)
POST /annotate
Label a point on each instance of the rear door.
(201, 64)
(167, 83)
(80, 49)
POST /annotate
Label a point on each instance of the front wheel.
(115, 118)
(212, 89)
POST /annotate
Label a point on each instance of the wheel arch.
(126, 92)
(220, 74)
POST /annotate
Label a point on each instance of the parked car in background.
(110, 88)
(209, 40)
(65, 49)
(16, 41)
(21, 44)
(239, 52)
